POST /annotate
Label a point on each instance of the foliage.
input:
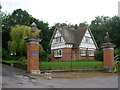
(10, 61)
(118, 67)
(99, 55)
(18, 35)
(117, 51)
(82, 24)
(22, 60)
(21, 17)
(18, 16)
(62, 65)
(104, 24)
(6, 55)
(41, 51)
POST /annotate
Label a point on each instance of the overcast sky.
(72, 11)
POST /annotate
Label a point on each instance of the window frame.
(88, 39)
(58, 39)
(83, 52)
(58, 53)
(91, 54)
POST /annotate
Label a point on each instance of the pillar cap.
(108, 45)
(108, 48)
(33, 39)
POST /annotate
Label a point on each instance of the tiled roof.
(72, 36)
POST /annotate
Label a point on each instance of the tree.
(114, 30)
(99, 27)
(83, 24)
(104, 24)
(18, 16)
(22, 17)
(17, 44)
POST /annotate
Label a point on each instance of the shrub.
(99, 55)
(22, 60)
(6, 55)
(117, 51)
(45, 57)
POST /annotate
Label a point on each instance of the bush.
(117, 51)
(49, 57)
(45, 57)
(6, 55)
(22, 60)
(99, 55)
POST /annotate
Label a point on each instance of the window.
(58, 53)
(91, 52)
(57, 39)
(88, 39)
(83, 52)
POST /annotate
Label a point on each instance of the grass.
(118, 67)
(78, 74)
(14, 61)
(63, 65)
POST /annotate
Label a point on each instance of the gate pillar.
(33, 52)
(108, 54)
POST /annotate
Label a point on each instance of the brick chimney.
(72, 27)
(64, 26)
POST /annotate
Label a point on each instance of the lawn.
(14, 61)
(118, 67)
(63, 65)
(66, 65)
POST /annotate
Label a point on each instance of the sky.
(63, 11)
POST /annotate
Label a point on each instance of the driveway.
(17, 78)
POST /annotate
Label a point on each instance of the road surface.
(17, 78)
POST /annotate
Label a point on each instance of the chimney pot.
(72, 27)
(64, 25)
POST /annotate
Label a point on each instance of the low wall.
(17, 65)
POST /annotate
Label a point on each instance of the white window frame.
(58, 53)
(58, 39)
(90, 52)
(83, 52)
(88, 39)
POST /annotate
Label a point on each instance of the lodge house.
(68, 43)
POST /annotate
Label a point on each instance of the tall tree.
(114, 28)
(17, 17)
(18, 44)
(104, 24)
(22, 17)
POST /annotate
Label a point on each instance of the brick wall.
(90, 57)
(66, 55)
(69, 54)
